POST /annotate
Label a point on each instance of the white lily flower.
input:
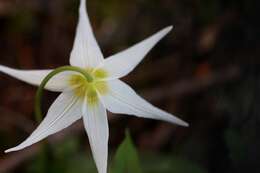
(89, 100)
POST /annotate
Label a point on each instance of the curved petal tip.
(9, 150)
(184, 124)
(169, 28)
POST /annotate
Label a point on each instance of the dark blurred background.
(206, 71)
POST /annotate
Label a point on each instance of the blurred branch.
(10, 118)
(193, 85)
(161, 134)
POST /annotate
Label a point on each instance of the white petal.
(35, 77)
(96, 124)
(122, 99)
(85, 52)
(124, 62)
(63, 112)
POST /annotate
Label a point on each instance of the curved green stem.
(38, 112)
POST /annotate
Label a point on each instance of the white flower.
(82, 99)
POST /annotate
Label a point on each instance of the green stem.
(38, 112)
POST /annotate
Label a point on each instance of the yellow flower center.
(89, 90)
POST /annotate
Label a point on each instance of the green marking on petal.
(92, 96)
(102, 87)
(88, 90)
(100, 74)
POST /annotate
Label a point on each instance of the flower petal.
(122, 99)
(63, 112)
(85, 52)
(96, 124)
(35, 77)
(124, 62)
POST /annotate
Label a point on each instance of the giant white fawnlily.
(90, 86)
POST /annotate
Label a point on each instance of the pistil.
(89, 78)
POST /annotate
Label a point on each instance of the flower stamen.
(89, 90)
